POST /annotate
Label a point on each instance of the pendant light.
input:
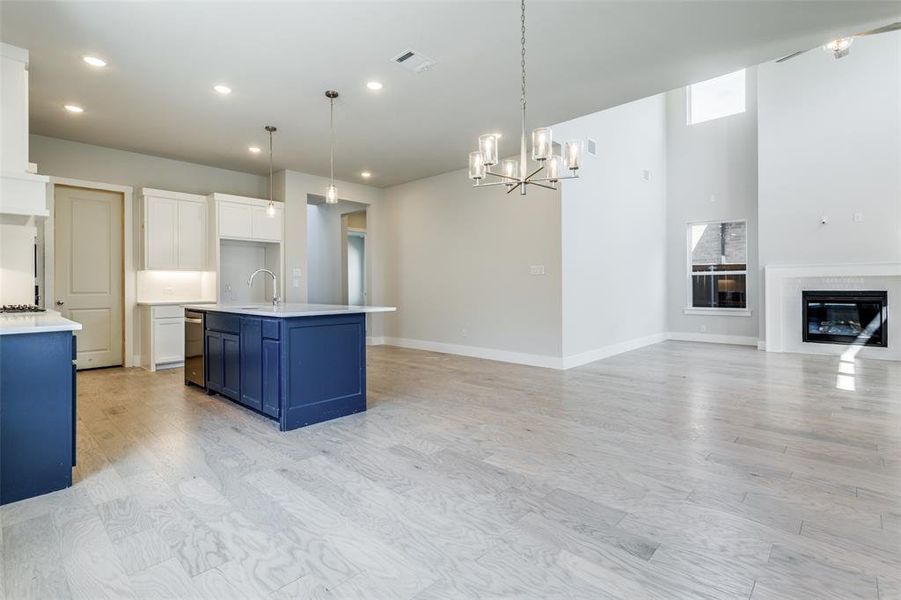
(270, 210)
(517, 173)
(331, 194)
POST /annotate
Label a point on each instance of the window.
(716, 98)
(718, 265)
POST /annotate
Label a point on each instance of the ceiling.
(156, 94)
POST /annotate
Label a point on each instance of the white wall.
(830, 146)
(711, 176)
(17, 235)
(64, 158)
(293, 187)
(457, 267)
(613, 231)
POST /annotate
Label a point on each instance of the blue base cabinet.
(37, 414)
(298, 371)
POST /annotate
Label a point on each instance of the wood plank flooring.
(676, 471)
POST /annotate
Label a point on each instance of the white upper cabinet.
(235, 220)
(175, 231)
(243, 218)
(266, 227)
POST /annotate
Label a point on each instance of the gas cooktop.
(21, 308)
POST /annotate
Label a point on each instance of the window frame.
(689, 309)
(688, 112)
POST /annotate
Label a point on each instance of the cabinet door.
(252, 363)
(168, 340)
(235, 220)
(270, 377)
(160, 233)
(215, 378)
(267, 228)
(231, 366)
(192, 237)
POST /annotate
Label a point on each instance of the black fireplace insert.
(846, 317)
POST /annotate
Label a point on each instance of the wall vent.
(414, 61)
(592, 147)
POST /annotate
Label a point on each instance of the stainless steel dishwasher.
(194, 364)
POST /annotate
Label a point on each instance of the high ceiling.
(156, 94)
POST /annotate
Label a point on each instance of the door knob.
(59, 302)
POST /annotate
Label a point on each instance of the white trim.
(761, 345)
(722, 312)
(375, 340)
(712, 338)
(522, 358)
(576, 360)
(129, 278)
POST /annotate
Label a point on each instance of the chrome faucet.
(275, 299)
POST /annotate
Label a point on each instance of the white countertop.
(172, 302)
(44, 322)
(287, 310)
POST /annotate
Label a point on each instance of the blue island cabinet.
(37, 414)
(296, 370)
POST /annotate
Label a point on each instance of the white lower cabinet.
(169, 340)
(162, 336)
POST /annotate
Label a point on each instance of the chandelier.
(517, 173)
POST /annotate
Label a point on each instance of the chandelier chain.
(522, 42)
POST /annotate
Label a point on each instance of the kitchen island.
(297, 364)
(37, 404)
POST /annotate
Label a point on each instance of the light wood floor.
(676, 471)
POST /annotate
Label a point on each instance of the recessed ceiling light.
(254, 149)
(365, 174)
(222, 89)
(94, 61)
(374, 85)
(72, 108)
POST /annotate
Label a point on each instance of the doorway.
(356, 271)
(88, 280)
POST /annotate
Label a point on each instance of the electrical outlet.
(858, 217)
(646, 175)
(703, 329)
(463, 332)
(536, 270)
(296, 282)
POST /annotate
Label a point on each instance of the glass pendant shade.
(476, 167)
(510, 168)
(331, 194)
(554, 166)
(270, 210)
(488, 148)
(541, 144)
(572, 155)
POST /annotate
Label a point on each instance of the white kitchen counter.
(45, 322)
(287, 310)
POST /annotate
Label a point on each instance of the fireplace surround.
(845, 317)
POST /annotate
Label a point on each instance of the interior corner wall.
(293, 187)
(711, 176)
(830, 147)
(613, 234)
(458, 269)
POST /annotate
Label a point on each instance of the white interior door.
(88, 267)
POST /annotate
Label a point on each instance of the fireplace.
(845, 317)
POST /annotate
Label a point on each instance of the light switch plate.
(536, 270)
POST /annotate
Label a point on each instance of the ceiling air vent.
(414, 61)
(592, 147)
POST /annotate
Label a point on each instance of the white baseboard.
(712, 338)
(375, 340)
(521, 358)
(583, 358)
(761, 345)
